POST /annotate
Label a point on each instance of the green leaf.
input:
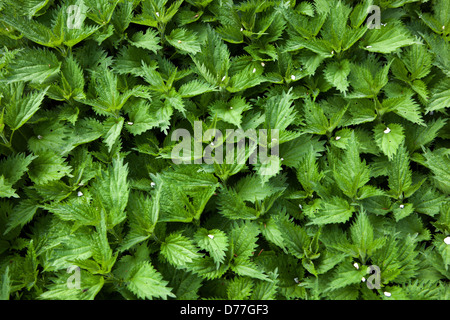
(247, 268)
(440, 96)
(232, 206)
(77, 209)
(363, 236)
(315, 119)
(336, 210)
(5, 285)
(231, 111)
(19, 112)
(147, 283)
(336, 74)
(111, 189)
(438, 161)
(214, 241)
(48, 167)
(195, 88)
(346, 275)
(21, 214)
(399, 173)
(240, 288)
(6, 189)
(388, 38)
(148, 40)
(243, 237)
(295, 237)
(142, 118)
(178, 250)
(184, 40)
(417, 137)
(15, 166)
(405, 107)
(389, 138)
(34, 65)
(114, 128)
(350, 172)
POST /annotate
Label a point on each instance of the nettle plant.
(92, 204)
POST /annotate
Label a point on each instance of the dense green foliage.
(89, 103)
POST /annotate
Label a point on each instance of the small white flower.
(242, 29)
(152, 184)
(282, 159)
(402, 206)
(296, 280)
(443, 27)
(368, 47)
(293, 77)
(130, 123)
(363, 279)
(81, 184)
(356, 265)
(39, 137)
(447, 240)
(179, 41)
(332, 52)
(387, 130)
(224, 77)
(300, 206)
(231, 108)
(254, 70)
(80, 194)
(338, 138)
(212, 143)
(157, 14)
(384, 24)
(262, 64)
(387, 294)
(211, 236)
